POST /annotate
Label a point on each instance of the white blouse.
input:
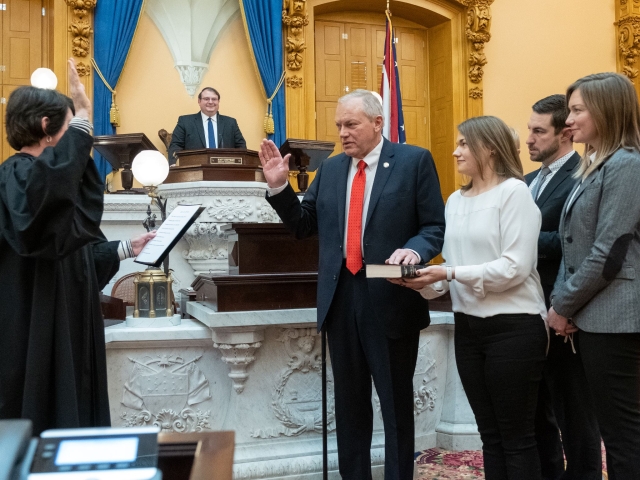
(492, 241)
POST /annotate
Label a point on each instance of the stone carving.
(80, 31)
(162, 391)
(294, 17)
(230, 209)
(477, 31)
(238, 357)
(629, 44)
(266, 213)
(476, 93)
(294, 82)
(297, 398)
(191, 76)
(424, 398)
(206, 242)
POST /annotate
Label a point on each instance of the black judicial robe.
(54, 260)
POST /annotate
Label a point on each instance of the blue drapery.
(115, 23)
(263, 19)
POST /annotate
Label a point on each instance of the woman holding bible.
(490, 246)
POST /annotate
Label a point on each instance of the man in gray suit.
(564, 399)
(205, 129)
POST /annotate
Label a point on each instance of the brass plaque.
(225, 160)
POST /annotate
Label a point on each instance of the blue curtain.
(264, 24)
(115, 23)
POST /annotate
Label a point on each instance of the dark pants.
(564, 401)
(612, 366)
(500, 361)
(360, 351)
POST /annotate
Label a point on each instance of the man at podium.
(205, 129)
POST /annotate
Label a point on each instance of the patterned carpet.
(437, 464)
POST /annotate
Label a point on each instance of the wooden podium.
(120, 150)
(216, 164)
(269, 270)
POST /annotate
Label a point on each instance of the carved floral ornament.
(81, 32)
(629, 44)
(294, 18)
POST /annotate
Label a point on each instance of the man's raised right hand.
(274, 167)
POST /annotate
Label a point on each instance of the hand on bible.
(426, 276)
(403, 256)
(81, 102)
(274, 167)
(138, 243)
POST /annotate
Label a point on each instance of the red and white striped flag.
(390, 91)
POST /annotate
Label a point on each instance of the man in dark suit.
(205, 129)
(377, 201)
(564, 400)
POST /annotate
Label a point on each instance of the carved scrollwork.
(295, 18)
(83, 69)
(294, 82)
(477, 31)
(297, 398)
(238, 356)
(81, 8)
(629, 44)
(476, 93)
(80, 31)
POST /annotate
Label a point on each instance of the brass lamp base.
(153, 294)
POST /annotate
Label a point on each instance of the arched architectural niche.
(460, 27)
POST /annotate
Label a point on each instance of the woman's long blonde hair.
(492, 134)
(612, 102)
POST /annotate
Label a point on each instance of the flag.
(390, 91)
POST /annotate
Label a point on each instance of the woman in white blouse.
(490, 247)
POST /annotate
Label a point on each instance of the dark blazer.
(189, 134)
(597, 285)
(550, 203)
(405, 211)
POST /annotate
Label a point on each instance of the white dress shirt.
(491, 240)
(205, 123)
(554, 167)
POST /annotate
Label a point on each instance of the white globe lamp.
(44, 78)
(150, 168)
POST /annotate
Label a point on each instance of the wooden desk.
(196, 456)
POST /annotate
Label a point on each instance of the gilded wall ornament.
(294, 19)
(81, 7)
(476, 93)
(629, 45)
(477, 31)
(83, 69)
(294, 82)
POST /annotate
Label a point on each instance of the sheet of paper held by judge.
(170, 230)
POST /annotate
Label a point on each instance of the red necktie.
(354, 227)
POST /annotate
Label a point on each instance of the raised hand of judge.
(138, 243)
(81, 102)
(274, 167)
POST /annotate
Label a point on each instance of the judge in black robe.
(54, 260)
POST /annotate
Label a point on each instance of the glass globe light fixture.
(150, 168)
(44, 78)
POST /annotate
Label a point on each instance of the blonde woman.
(597, 293)
(490, 246)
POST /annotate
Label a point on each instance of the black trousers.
(360, 351)
(565, 405)
(500, 361)
(612, 366)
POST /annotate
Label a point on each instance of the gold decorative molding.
(476, 93)
(294, 19)
(294, 82)
(477, 31)
(628, 33)
(81, 30)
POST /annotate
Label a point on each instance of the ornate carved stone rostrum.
(224, 202)
(628, 32)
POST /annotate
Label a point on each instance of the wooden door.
(7, 151)
(21, 40)
(351, 52)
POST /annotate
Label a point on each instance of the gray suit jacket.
(600, 236)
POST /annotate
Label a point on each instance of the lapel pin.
(385, 164)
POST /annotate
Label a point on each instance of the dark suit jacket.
(189, 134)
(405, 211)
(550, 203)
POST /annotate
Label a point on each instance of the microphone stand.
(325, 462)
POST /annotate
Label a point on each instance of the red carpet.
(437, 464)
